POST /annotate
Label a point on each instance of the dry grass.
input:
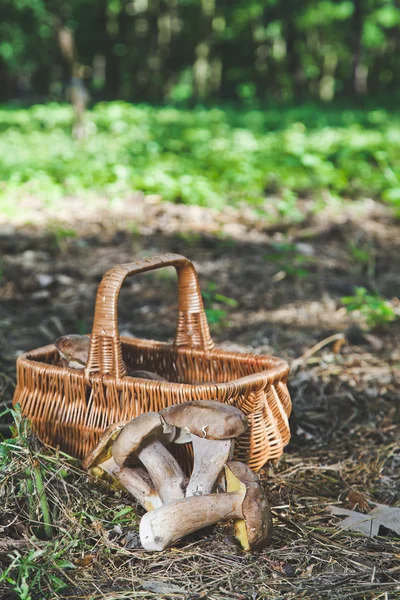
(95, 550)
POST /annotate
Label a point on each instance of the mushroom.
(138, 482)
(100, 463)
(168, 524)
(246, 504)
(140, 441)
(254, 528)
(74, 350)
(147, 375)
(211, 427)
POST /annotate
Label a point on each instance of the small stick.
(299, 361)
(8, 544)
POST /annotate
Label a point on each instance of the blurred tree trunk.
(358, 72)
(76, 89)
(109, 25)
(5, 82)
(201, 65)
(293, 57)
(200, 50)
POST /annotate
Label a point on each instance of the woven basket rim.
(278, 369)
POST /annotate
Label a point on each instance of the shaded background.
(189, 50)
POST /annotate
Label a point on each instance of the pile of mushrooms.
(135, 456)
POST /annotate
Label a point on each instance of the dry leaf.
(85, 560)
(308, 571)
(131, 540)
(97, 526)
(382, 516)
(337, 346)
(357, 498)
(159, 587)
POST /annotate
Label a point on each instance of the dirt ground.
(287, 281)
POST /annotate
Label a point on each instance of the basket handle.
(105, 354)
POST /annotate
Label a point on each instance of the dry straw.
(70, 408)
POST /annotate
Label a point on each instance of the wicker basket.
(70, 408)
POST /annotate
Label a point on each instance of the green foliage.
(289, 260)
(214, 303)
(82, 327)
(37, 569)
(33, 480)
(287, 206)
(374, 309)
(61, 234)
(269, 159)
(362, 254)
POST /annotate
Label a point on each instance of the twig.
(8, 544)
(299, 361)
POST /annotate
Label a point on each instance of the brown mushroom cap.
(135, 433)
(74, 348)
(102, 451)
(254, 530)
(147, 375)
(206, 419)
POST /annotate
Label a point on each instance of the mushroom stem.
(210, 457)
(138, 483)
(168, 478)
(107, 466)
(164, 526)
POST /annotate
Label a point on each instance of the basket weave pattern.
(71, 408)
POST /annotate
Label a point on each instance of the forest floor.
(287, 281)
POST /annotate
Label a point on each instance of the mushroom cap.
(207, 419)
(102, 450)
(254, 530)
(134, 435)
(146, 375)
(73, 347)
